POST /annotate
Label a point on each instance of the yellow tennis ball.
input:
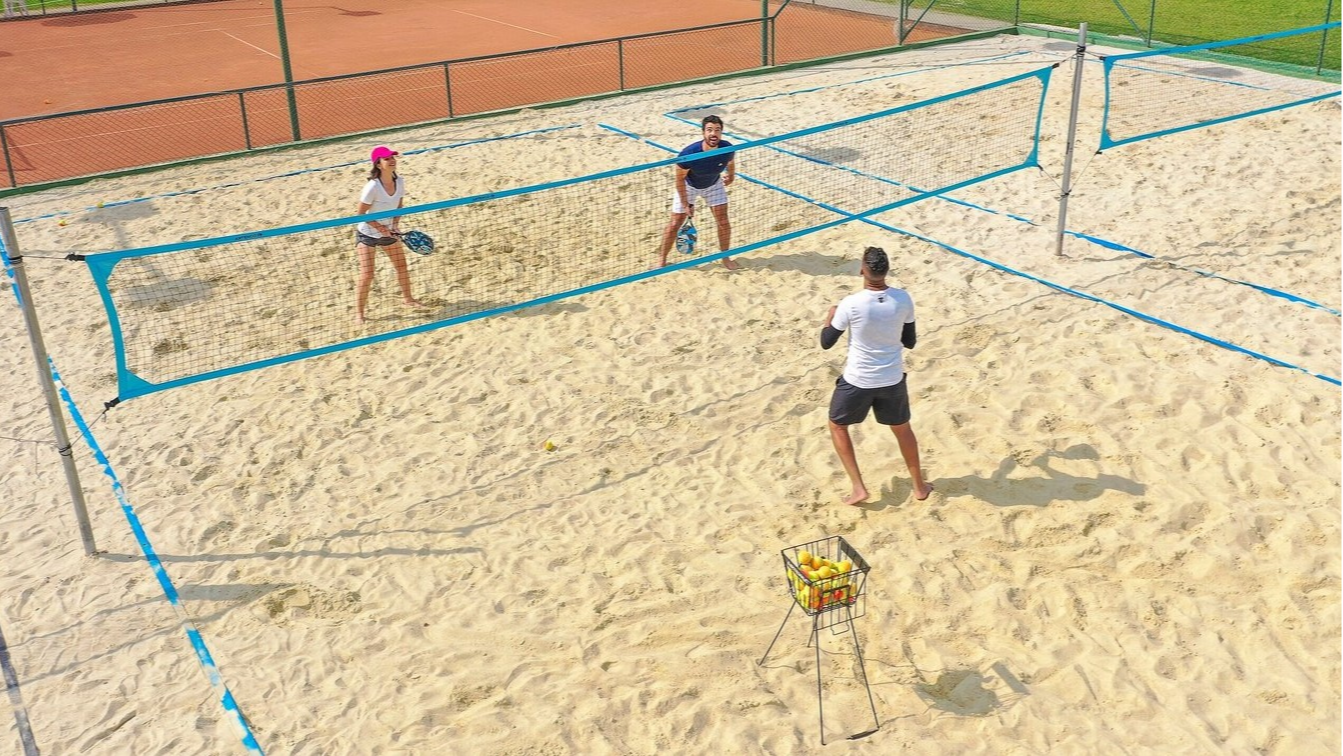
(63, 223)
(100, 204)
(549, 445)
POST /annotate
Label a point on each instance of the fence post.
(904, 9)
(288, 69)
(1151, 23)
(44, 377)
(1072, 135)
(1016, 21)
(620, 61)
(447, 82)
(246, 130)
(764, 33)
(9, 163)
(1324, 38)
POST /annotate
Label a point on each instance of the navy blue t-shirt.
(705, 171)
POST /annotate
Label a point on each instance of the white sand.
(1133, 546)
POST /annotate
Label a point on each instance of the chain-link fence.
(43, 149)
(1154, 22)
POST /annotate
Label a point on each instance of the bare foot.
(360, 319)
(858, 496)
(927, 491)
(417, 304)
(730, 264)
(662, 262)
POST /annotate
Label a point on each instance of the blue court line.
(1200, 271)
(1023, 219)
(865, 218)
(300, 172)
(863, 174)
(974, 61)
(231, 710)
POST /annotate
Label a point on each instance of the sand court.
(1133, 545)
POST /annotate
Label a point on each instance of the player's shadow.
(811, 263)
(1054, 485)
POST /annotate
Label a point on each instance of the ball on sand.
(549, 445)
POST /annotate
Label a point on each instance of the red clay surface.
(92, 60)
(89, 60)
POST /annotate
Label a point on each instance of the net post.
(15, 258)
(1072, 136)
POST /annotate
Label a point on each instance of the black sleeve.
(908, 337)
(829, 335)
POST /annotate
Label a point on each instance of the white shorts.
(715, 194)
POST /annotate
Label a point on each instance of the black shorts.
(373, 241)
(849, 404)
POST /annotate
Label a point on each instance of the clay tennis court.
(59, 64)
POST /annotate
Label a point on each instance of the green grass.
(38, 7)
(1177, 22)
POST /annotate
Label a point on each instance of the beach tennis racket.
(418, 242)
(687, 237)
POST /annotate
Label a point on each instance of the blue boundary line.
(1098, 300)
(1098, 241)
(304, 171)
(1110, 61)
(231, 709)
(864, 217)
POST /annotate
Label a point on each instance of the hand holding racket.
(416, 241)
(687, 236)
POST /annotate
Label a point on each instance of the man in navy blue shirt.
(706, 177)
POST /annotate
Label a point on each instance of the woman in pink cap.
(384, 191)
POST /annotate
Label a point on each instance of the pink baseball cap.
(382, 151)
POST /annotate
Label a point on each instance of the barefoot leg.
(909, 449)
(363, 280)
(839, 434)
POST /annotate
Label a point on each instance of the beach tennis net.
(1159, 92)
(195, 310)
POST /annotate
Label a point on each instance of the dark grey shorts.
(373, 241)
(849, 404)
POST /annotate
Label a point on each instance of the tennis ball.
(549, 445)
(804, 557)
(100, 204)
(63, 223)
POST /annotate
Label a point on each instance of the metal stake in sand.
(828, 579)
(15, 257)
(1072, 135)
